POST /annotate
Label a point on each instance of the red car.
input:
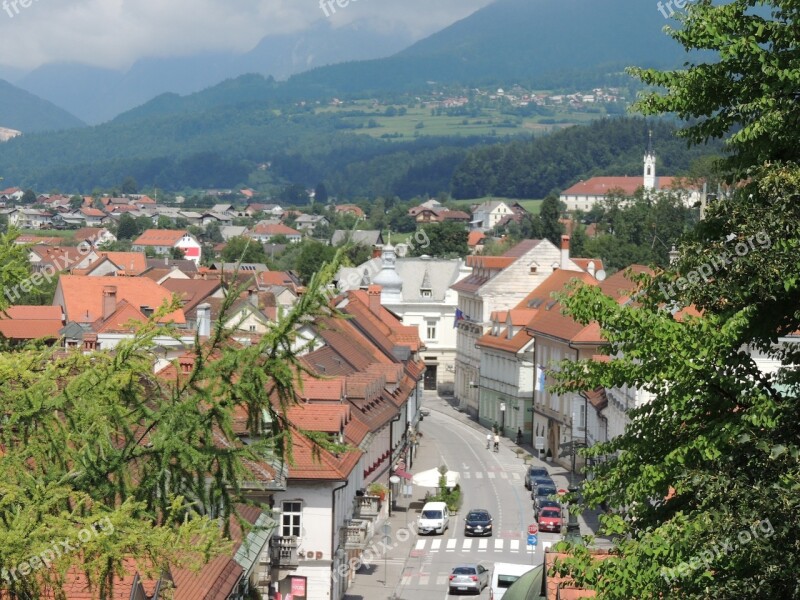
(550, 520)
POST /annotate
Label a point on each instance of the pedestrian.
(519, 435)
(488, 440)
(496, 442)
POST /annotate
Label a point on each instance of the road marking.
(435, 545)
(423, 579)
(515, 476)
(451, 544)
(441, 579)
(479, 475)
(466, 474)
(491, 474)
(467, 545)
(498, 545)
(515, 545)
(482, 544)
(420, 545)
(503, 475)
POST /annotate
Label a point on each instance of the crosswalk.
(491, 475)
(467, 545)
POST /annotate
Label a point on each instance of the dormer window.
(426, 292)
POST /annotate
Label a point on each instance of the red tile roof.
(475, 237)
(600, 186)
(160, 237)
(192, 291)
(31, 322)
(92, 212)
(312, 462)
(328, 418)
(83, 296)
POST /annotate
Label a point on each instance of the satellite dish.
(600, 275)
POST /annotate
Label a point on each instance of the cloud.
(115, 33)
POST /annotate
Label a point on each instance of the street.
(419, 567)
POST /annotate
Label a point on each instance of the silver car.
(471, 577)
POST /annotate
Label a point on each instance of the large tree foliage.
(98, 437)
(749, 90)
(444, 240)
(707, 475)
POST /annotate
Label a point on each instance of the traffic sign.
(533, 529)
(532, 540)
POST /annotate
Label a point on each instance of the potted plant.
(378, 489)
(549, 456)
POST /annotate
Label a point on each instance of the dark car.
(478, 522)
(535, 483)
(544, 492)
(543, 503)
(534, 473)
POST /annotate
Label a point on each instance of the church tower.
(650, 165)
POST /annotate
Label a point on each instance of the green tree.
(445, 240)
(312, 254)
(129, 186)
(127, 228)
(321, 194)
(550, 213)
(748, 91)
(244, 249)
(28, 197)
(177, 253)
(152, 459)
(212, 233)
(75, 202)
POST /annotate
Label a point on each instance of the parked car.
(468, 578)
(550, 520)
(544, 492)
(434, 518)
(478, 522)
(534, 473)
(539, 481)
(544, 503)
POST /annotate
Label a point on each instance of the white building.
(486, 216)
(418, 291)
(497, 283)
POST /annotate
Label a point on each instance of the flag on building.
(459, 317)
(539, 378)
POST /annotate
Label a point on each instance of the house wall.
(507, 378)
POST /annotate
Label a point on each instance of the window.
(582, 417)
(252, 328)
(290, 519)
(431, 330)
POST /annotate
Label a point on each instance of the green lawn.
(532, 206)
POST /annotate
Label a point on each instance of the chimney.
(166, 261)
(376, 252)
(564, 251)
(204, 320)
(109, 300)
(252, 295)
(591, 269)
(374, 296)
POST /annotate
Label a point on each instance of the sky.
(115, 33)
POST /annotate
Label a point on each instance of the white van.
(503, 576)
(434, 518)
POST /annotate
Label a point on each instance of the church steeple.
(649, 181)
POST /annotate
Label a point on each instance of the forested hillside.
(533, 168)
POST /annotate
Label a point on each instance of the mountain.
(543, 43)
(27, 113)
(97, 95)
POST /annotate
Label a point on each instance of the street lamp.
(573, 534)
(503, 418)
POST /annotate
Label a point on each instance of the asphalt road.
(494, 481)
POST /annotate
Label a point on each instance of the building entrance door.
(429, 381)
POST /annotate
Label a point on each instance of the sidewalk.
(378, 578)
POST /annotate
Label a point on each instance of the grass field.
(532, 206)
(419, 121)
(62, 233)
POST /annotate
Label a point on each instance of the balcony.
(356, 535)
(367, 507)
(283, 552)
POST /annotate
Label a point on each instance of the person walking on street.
(496, 442)
(519, 435)
(488, 440)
